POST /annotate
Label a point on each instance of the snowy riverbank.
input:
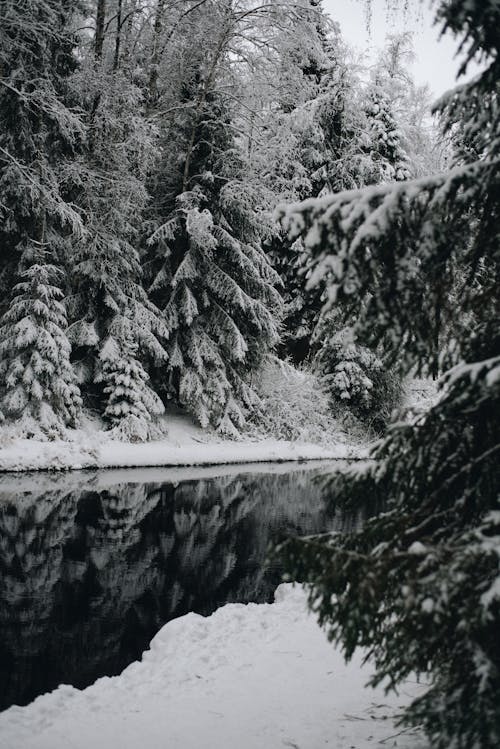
(254, 677)
(185, 444)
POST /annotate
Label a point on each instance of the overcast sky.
(435, 63)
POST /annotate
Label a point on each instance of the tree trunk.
(129, 25)
(200, 102)
(436, 337)
(155, 54)
(99, 29)
(116, 59)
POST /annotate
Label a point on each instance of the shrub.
(355, 377)
(294, 405)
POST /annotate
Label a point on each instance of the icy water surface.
(92, 564)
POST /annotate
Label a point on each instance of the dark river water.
(92, 564)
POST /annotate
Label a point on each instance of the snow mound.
(252, 676)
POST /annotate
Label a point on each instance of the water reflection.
(92, 565)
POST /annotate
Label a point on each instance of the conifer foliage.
(38, 137)
(109, 306)
(220, 308)
(131, 404)
(355, 376)
(39, 381)
(143, 150)
(419, 586)
(312, 146)
(389, 162)
(211, 277)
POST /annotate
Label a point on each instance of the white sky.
(434, 64)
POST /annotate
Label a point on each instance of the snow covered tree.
(311, 144)
(354, 375)
(409, 140)
(109, 307)
(389, 161)
(220, 309)
(398, 142)
(131, 404)
(37, 130)
(39, 390)
(38, 138)
(209, 273)
(419, 585)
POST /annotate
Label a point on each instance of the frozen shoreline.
(252, 676)
(31, 455)
(185, 445)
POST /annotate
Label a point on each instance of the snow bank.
(185, 445)
(252, 677)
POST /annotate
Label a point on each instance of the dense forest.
(144, 148)
(215, 205)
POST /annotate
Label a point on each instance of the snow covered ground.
(249, 676)
(185, 444)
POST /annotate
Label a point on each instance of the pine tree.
(38, 132)
(38, 138)
(419, 585)
(109, 306)
(355, 376)
(209, 273)
(131, 404)
(39, 382)
(418, 139)
(389, 161)
(311, 146)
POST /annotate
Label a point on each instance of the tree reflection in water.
(91, 569)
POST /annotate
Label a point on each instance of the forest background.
(144, 148)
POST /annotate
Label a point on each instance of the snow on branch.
(378, 245)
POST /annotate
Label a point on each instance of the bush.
(356, 378)
(294, 405)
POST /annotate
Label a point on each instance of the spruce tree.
(389, 162)
(208, 271)
(355, 376)
(40, 391)
(311, 145)
(109, 307)
(38, 138)
(131, 404)
(417, 138)
(419, 585)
